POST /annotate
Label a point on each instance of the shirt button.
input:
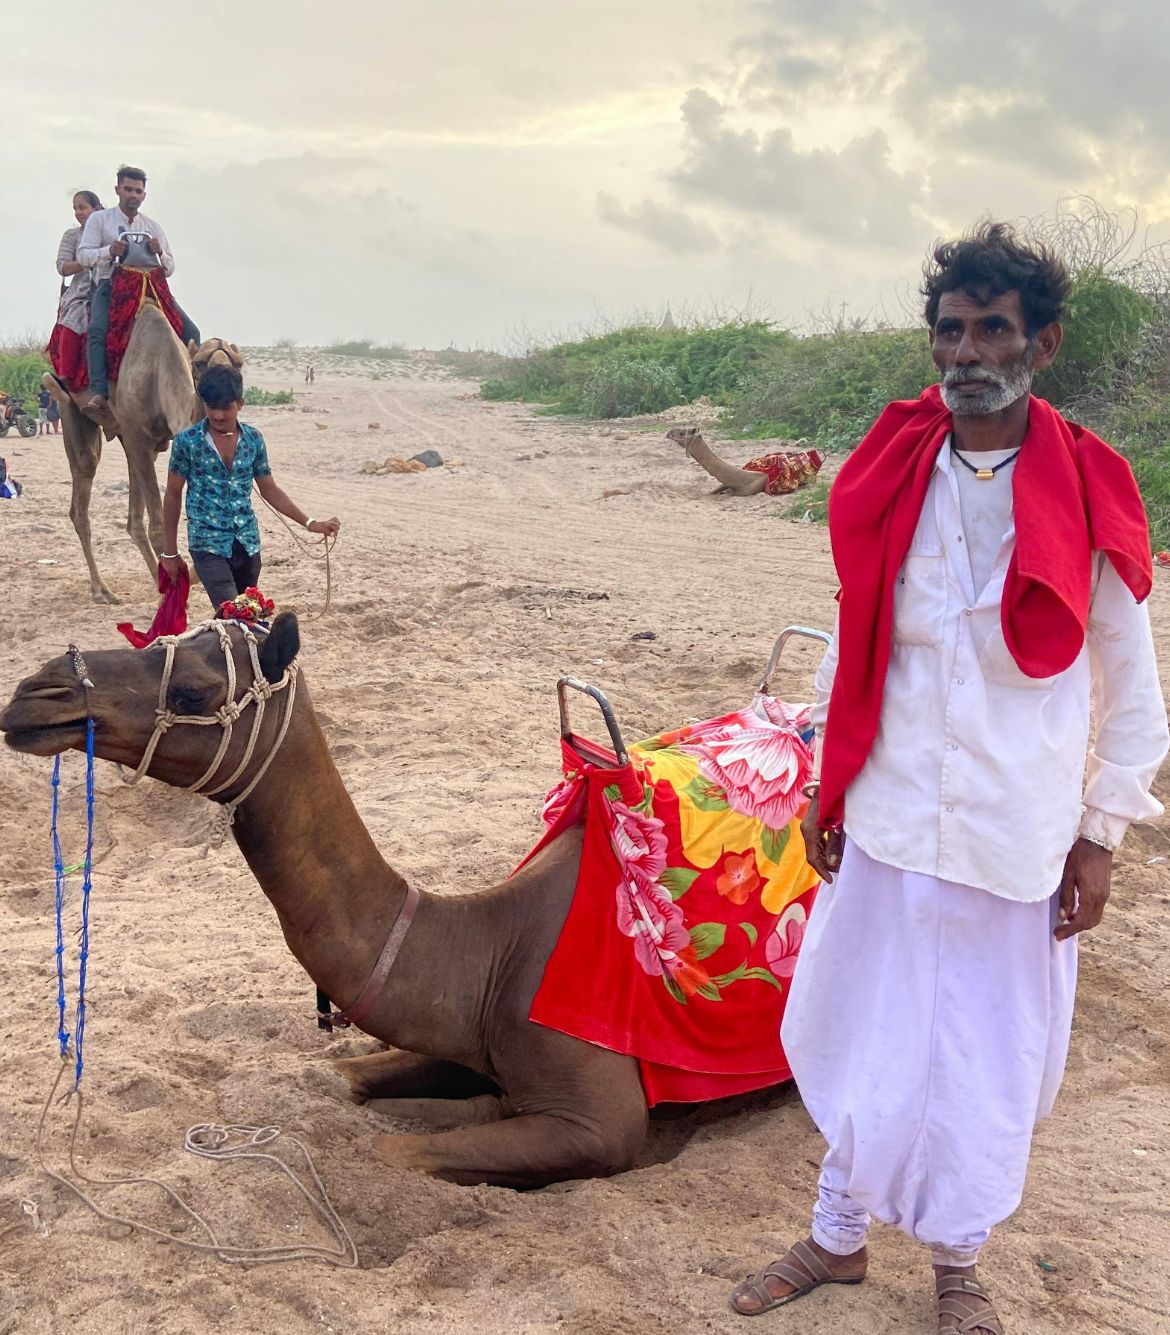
(950, 809)
(954, 746)
(958, 681)
(967, 612)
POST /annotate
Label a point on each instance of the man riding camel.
(103, 244)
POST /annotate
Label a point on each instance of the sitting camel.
(153, 398)
(456, 1002)
(777, 473)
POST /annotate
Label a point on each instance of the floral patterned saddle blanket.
(691, 900)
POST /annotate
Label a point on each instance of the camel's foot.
(394, 1074)
(531, 1150)
(441, 1114)
(102, 593)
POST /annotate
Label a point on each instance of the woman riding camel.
(67, 347)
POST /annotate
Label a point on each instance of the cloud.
(672, 229)
(851, 194)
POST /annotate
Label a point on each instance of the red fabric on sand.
(1072, 495)
(171, 617)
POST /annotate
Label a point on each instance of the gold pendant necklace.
(984, 474)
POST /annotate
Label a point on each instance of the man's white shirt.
(980, 774)
(105, 226)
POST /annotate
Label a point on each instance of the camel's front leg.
(394, 1074)
(144, 501)
(83, 449)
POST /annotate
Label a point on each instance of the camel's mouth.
(42, 739)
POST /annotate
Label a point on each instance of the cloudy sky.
(480, 171)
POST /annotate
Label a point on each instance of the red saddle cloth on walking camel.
(691, 900)
(130, 290)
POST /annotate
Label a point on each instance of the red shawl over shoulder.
(1072, 495)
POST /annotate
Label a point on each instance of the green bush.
(624, 384)
(709, 360)
(267, 398)
(830, 387)
(20, 373)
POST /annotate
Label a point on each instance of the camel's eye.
(189, 699)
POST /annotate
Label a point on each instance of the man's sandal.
(810, 1274)
(983, 1321)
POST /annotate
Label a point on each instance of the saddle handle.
(566, 684)
(764, 688)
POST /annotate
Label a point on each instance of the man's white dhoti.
(927, 1029)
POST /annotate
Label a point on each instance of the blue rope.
(86, 887)
(60, 873)
(59, 870)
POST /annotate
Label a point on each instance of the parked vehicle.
(14, 414)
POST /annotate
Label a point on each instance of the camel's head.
(215, 352)
(683, 435)
(48, 712)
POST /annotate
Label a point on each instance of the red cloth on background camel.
(690, 903)
(129, 289)
(171, 617)
(786, 470)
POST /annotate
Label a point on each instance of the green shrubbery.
(267, 398)
(673, 366)
(21, 367)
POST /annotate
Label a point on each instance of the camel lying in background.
(153, 399)
(457, 999)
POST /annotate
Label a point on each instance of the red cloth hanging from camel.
(130, 289)
(171, 617)
(66, 352)
(690, 904)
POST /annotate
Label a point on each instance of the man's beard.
(1003, 388)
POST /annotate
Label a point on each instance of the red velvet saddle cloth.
(130, 289)
(691, 900)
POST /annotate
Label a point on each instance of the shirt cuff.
(1102, 826)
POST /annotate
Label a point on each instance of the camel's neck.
(337, 900)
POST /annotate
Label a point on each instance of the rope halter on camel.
(258, 694)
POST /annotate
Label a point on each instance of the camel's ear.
(280, 647)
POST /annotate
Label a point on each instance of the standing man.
(217, 460)
(44, 398)
(994, 560)
(101, 246)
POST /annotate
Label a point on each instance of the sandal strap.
(966, 1322)
(945, 1284)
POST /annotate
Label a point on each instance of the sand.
(460, 596)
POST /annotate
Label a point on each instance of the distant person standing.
(44, 398)
(311, 375)
(54, 416)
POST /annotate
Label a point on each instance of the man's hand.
(1084, 888)
(172, 565)
(154, 245)
(822, 848)
(118, 249)
(329, 526)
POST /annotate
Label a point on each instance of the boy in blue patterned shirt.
(217, 460)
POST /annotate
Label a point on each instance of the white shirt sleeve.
(823, 686)
(1131, 736)
(168, 260)
(90, 249)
